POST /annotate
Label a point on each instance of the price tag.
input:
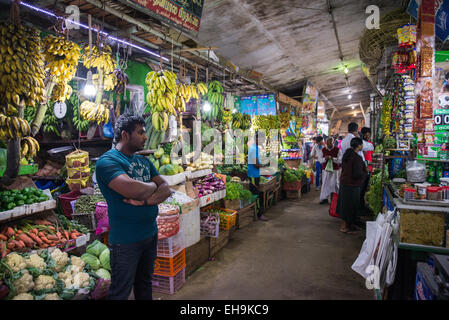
(81, 240)
(60, 110)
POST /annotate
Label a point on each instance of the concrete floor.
(298, 254)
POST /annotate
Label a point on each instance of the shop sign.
(441, 119)
(185, 13)
(441, 16)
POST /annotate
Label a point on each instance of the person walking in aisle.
(352, 178)
(253, 173)
(366, 136)
(352, 133)
(132, 188)
(330, 155)
(314, 156)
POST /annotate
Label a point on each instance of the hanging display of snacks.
(407, 35)
(426, 101)
(426, 60)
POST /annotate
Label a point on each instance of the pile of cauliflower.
(72, 275)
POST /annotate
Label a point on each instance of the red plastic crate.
(170, 247)
(169, 267)
(169, 285)
(65, 200)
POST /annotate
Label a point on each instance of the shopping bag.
(330, 166)
(333, 207)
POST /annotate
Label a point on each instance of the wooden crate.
(216, 244)
(197, 255)
(232, 204)
(246, 215)
(293, 194)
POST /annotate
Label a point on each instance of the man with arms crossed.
(132, 188)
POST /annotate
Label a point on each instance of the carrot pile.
(38, 234)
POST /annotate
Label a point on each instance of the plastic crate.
(170, 247)
(209, 228)
(169, 285)
(227, 221)
(169, 267)
(163, 222)
(65, 200)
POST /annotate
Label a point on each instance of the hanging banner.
(441, 16)
(266, 105)
(248, 105)
(310, 98)
(184, 13)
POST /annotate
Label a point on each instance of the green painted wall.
(137, 72)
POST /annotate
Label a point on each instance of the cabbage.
(103, 273)
(104, 259)
(96, 248)
(91, 260)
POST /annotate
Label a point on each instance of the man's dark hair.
(365, 130)
(126, 122)
(355, 142)
(352, 127)
(319, 139)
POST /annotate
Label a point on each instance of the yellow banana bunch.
(285, 118)
(93, 112)
(99, 58)
(28, 147)
(13, 127)
(160, 121)
(202, 88)
(61, 92)
(62, 58)
(227, 117)
(21, 67)
(386, 115)
(109, 81)
(162, 90)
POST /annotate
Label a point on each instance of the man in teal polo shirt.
(132, 188)
(253, 173)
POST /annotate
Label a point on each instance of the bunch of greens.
(374, 194)
(389, 143)
(72, 224)
(294, 175)
(235, 191)
(88, 203)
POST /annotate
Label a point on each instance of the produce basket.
(87, 219)
(101, 289)
(169, 285)
(169, 267)
(228, 217)
(170, 247)
(209, 224)
(167, 226)
(292, 186)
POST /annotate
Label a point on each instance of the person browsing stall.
(132, 188)
(253, 172)
(352, 133)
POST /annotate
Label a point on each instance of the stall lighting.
(353, 107)
(346, 70)
(349, 96)
(89, 89)
(234, 111)
(206, 106)
(51, 14)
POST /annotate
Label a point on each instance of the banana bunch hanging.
(99, 58)
(95, 112)
(285, 118)
(13, 127)
(61, 92)
(122, 80)
(110, 81)
(21, 67)
(61, 56)
(241, 121)
(226, 118)
(215, 98)
(202, 88)
(386, 115)
(28, 148)
(161, 97)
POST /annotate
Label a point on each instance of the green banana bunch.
(78, 122)
(50, 122)
(215, 98)
(154, 136)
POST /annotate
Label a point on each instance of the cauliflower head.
(44, 282)
(74, 269)
(81, 280)
(77, 261)
(24, 283)
(61, 259)
(23, 296)
(52, 296)
(15, 262)
(36, 261)
(67, 278)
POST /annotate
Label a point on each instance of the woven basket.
(292, 186)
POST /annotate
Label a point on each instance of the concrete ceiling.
(289, 41)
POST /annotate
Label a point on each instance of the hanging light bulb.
(89, 90)
(349, 96)
(353, 107)
(206, 106)
(234, 111)
(346, 70)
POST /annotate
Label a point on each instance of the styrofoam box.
(207, 199)
(198, 174)
(190, 224)
(175, 179)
